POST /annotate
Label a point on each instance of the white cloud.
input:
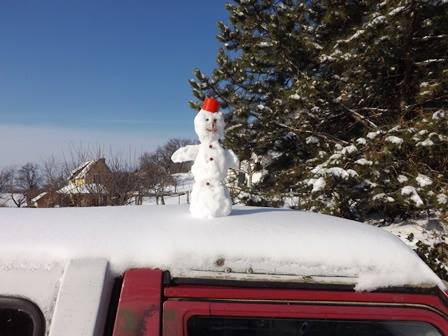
(29, 143)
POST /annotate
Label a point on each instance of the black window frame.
(27, 307)
(192, 319)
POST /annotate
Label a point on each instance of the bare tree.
(18, 199)
(154, 178)
(54, 174)
(122, 182)
(6, 183)
(27, 181)
(156, 169)
(6, 179)
(79, 154)
(166, 151)
(8, 189)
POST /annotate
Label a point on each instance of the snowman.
(209, 197)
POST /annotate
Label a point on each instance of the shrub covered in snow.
(435, 256)
(388, 174)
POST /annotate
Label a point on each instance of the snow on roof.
(83, 169)
(80, 168)
(91, 188)
(38, 197)
(266, 240)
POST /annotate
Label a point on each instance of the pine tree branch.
(405, 84)
(374, 109)
(279, 45)
(366, 122)
(217, 93)
(441, 99)
(322, 135)
(325, 136)
(432, 61)
(430, 37)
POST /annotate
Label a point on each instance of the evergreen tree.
(391, 74)
(307, 84)
(268, 77)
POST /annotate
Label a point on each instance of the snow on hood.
(274, 241)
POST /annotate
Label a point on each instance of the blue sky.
(100, 72)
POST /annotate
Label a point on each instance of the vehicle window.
(224, 326)
(14, 322)
(20, 318)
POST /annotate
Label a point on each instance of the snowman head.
(209, 123)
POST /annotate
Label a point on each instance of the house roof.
(38, 197)
(265, 240)
(83, 169)
(91, 188)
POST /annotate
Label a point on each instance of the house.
(85, 187)
(90, 172)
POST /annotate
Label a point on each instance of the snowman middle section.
(210, 196)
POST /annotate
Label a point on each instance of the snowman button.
(210, 146)
(207, 183)
(211, 159)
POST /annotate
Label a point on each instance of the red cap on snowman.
(210, 105)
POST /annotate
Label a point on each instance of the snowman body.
(209, 197)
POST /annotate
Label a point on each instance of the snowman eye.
(206, 119)
(214, 119)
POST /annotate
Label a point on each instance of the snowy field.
(169, 200)
(183, 185)
(184, 182)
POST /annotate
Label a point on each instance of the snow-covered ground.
(184, 182)
(429, 231)
(265, 240)
(183, 185)
(169, 200)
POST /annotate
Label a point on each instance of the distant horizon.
(110, 75)
(42, 143)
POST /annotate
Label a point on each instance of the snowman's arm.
(186, 153)
(232, 159)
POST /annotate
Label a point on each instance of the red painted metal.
(140, 304)
(215, 292)
(181, 311)
(139, 309)
(175, 316)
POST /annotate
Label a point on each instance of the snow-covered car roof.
(273, 242)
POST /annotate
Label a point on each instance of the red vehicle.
(151, 302)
